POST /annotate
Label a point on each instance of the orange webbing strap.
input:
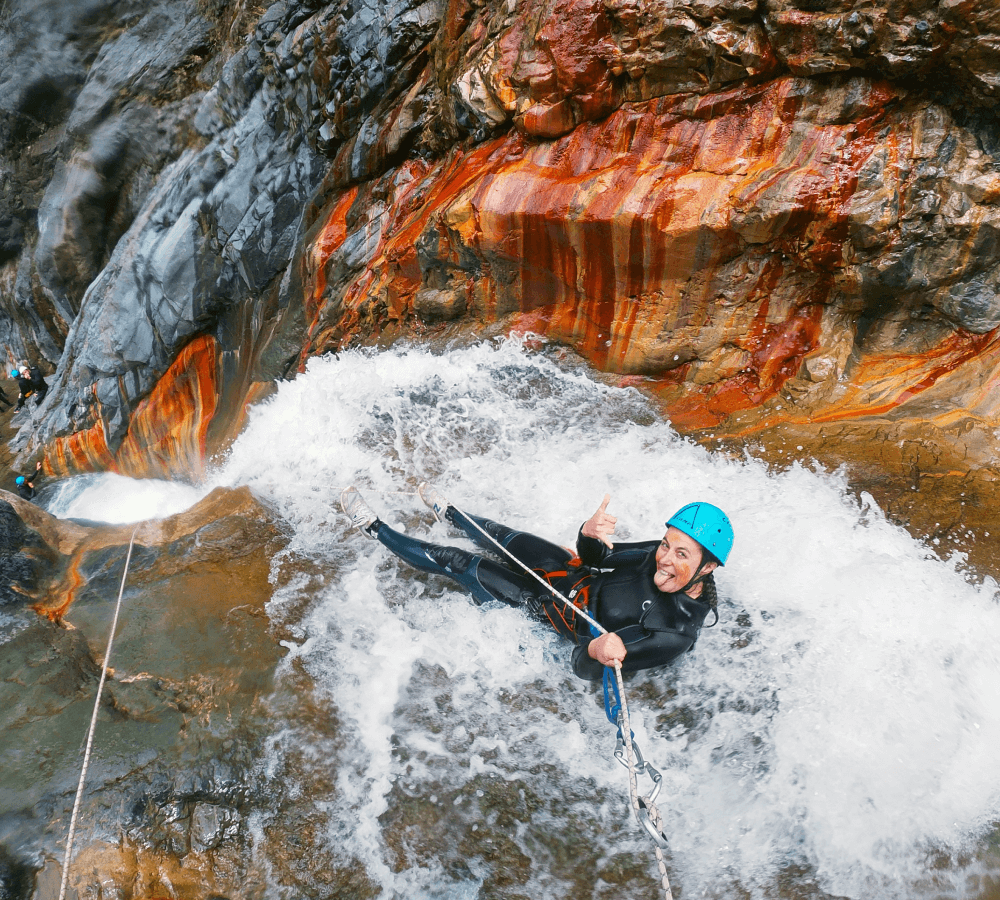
(562, 617)
(600, 629)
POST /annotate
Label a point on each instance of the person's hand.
(601, 525)
(607, 649)
(38, 466)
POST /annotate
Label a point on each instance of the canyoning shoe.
(433, 498)
(359, 512)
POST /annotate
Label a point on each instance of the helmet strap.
(697, 578)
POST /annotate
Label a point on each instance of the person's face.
(677, 559)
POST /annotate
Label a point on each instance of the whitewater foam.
(116, 499)
(843, 715)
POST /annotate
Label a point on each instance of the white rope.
(633, 789)
(93, 724)
(626, 731)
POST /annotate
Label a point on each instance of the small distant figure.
(26, 483)
(23, 386)
(29, 381)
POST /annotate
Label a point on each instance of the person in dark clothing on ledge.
(29, 381)
(38, 384)
(26, 483)
(652, 597)
(23, 386)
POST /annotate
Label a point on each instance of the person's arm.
(645, 649)
(595, 547)
(598, 555)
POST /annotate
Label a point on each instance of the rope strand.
(93, 725)
(633, 788)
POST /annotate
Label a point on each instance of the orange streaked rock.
(716, 245)
(952, 381)
(167, 432)
(717, 249)
(645, 241)
(82, 451)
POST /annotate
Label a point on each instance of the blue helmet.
(19, 479)
(706, 524)
(13, 373)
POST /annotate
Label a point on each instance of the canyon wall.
(780, 218)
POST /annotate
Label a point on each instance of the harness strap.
(563, 617)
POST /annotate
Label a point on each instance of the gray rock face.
(218, 226)
(896, 39)
(166, 171)
(25, 560)
(179, 174)
(87, 128)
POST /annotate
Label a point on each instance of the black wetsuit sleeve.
(645, 650)
(599, 555)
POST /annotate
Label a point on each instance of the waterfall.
(839, 725)
(116, 499)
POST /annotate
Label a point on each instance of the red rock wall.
(705, 246)
(751, 212)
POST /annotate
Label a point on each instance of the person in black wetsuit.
(652, 597)
(38, 384)
(29, 381)
(23, 386)
(26, 483)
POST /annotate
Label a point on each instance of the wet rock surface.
(19, 568)
(179, 731)
(781, 219)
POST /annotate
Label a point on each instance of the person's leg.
(533, 551)
(555, 563)
(484, 578)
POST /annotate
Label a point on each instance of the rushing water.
(836, 732)
(117, 499)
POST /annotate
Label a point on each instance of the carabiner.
(640, 763)
(642, 814)
(657, 780)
